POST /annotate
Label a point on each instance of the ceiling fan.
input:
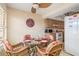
(35, 6)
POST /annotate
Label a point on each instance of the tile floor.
(63, 53)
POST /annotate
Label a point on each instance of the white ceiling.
(60, 15)
(27, 7)
(52, 11)
(21, 6)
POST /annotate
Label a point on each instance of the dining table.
(32, 44)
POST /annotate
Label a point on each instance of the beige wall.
(17, 27)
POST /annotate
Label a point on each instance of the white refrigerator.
(71, 38)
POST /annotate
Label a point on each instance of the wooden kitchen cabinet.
(56, 26)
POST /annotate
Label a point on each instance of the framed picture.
(30, 22)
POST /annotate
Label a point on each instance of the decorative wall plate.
(30, 22)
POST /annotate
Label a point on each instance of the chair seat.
(19, 50)
(44, 41)
(43, 49)
(27, 40)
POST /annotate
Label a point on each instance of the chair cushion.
(8, 45)
(27, 38)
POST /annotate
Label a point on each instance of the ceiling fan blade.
(33, 10)
(44, 5)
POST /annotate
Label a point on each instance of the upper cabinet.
(50, 23)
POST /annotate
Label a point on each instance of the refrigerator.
(71, 35)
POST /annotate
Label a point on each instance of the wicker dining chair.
(27, 39)
(16, 50)
(53, 49)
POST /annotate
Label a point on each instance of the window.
(2, 24)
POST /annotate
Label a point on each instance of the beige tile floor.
(63, 53)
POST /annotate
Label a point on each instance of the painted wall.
(17, 27)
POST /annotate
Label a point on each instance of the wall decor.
(30, 22)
